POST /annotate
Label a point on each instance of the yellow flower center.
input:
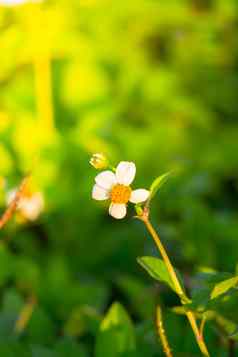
(120, 194)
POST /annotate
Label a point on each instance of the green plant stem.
(202, 325)
(190, 315)
(161, 332)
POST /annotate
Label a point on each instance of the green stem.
(190, 315)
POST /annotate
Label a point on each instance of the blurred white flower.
(116, 187)
(17, 2)
(30, 205)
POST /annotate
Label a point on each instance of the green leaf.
(6, 265)
(158, 183)
(207, 284)
(210, 279)
(138, 294)
(40, 328)
(223, 287)
(13, 348)
(157, 270)
(12, 302)
(40, 351)
(234, 334)
(200, 299)
(116, 335)
(67, 347)
(226, 325)
(83, 319)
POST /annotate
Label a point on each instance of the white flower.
(30, 206)
(116, 187)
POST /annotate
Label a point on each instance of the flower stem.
(184, 299)
(161, 332)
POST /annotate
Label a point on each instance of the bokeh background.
(154, 82)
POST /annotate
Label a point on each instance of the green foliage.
(158, 183)
(157, 269)
(212, 290)
(116, 335)
(153, 82)
(223, 287)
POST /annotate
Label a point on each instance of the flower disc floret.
(120, 194)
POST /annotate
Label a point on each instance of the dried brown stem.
(7, 215)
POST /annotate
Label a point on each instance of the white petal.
(106, 179)
(11, 195)
(29, 209)
(99, 193)
(117, 210)
(125, 172)
(32, 207)
(139, 195)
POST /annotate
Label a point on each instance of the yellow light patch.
(120, 194)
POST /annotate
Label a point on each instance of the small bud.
(139, 210)
(99, 161)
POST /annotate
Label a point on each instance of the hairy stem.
(190, 315)
(161, 332)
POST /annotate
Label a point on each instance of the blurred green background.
(154, 82)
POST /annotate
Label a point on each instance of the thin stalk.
(161, 332)
(190, 315)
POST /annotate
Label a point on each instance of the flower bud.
(99, 161)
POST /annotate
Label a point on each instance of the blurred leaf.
(141, 296)
(116, 336)
(226, 325)
(40, 351)
(40, 328)
(200, 299)
(7, 322)
(12, 302)
(83, 319)
(157, 269)
(6, 264)
(69, 348)
(211, 278)
(27, 274)
(223, 287)
(234, 334)
(13, 349)
(205, 285)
